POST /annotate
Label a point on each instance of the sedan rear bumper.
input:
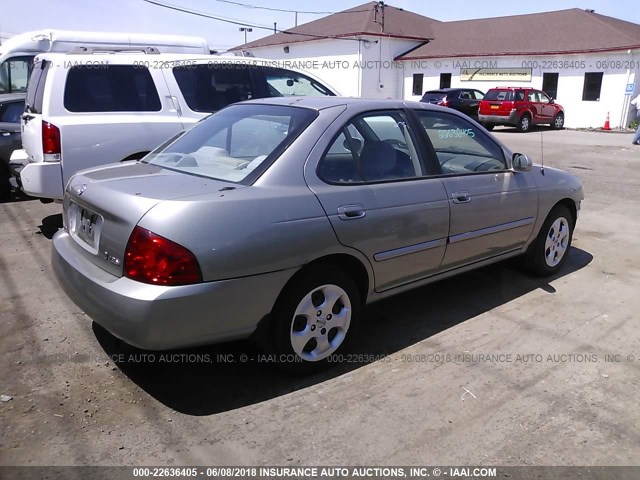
(155, 317)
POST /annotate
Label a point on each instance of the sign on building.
(495, 74)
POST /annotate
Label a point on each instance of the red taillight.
(444, 102)
(153, 259)
(50, 138)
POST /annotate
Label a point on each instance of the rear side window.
(500, 95)
(287, 83)
(209, 88)
(110, 88)
(35, 91)
(374, 147)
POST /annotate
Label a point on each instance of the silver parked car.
(297, 212)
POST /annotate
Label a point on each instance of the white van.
(16, 54)
(89, 110)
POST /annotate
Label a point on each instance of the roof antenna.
(542, 151)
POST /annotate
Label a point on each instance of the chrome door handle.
(461, 197)
(351, 212)
(176, 104)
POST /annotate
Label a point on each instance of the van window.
(211, 87)
(286, 83)
(110, 88)
(35, 91)
(14, 74)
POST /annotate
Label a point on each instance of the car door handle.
(351, 212)
(176, 104)
(461, 197)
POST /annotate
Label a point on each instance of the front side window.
(233, 143)
(461, 147)
(212, 87)
(287, 83)
(373, 147)
(110, 88)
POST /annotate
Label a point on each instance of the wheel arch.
(570, 205)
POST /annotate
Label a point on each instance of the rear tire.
(314, 319)
(488, 126)
(549, 251)
(524, 124)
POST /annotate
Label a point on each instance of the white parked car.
(85, 110)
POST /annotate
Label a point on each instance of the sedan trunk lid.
(102, 206)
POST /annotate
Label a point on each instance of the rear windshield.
(236, 143)
(433, 96)
(499, 95)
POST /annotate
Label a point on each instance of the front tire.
(549, 251)
(558, 121)
(315, 318)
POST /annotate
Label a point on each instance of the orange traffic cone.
(607, 126)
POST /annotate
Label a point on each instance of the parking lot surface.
(492, 367)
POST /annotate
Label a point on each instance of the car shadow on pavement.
(16, 196)
(50, 225)
(218, 378)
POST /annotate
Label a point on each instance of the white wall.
(579, 113)
(355, 68)
(333, 61)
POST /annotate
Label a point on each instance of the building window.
(592, 86)
(417, 83)
(550, 84)
(445, 80)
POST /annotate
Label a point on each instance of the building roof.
(563, 31)
(367, 19)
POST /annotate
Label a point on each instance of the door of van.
(31, 120)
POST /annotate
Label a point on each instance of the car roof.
(12, 97)
(321, 103)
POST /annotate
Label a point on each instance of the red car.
(519, 107)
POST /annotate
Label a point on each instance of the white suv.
(84, 110)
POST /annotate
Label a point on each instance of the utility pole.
(296, 19)
(245, 30)
(275, 27)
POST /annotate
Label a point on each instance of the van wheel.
(315, 318)
(488, 126)
(524, 124)
(549, 251)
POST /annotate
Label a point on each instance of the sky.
(138, 16)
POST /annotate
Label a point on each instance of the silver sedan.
(291, 214)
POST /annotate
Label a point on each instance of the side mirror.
(521, 163)
(552, 101)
